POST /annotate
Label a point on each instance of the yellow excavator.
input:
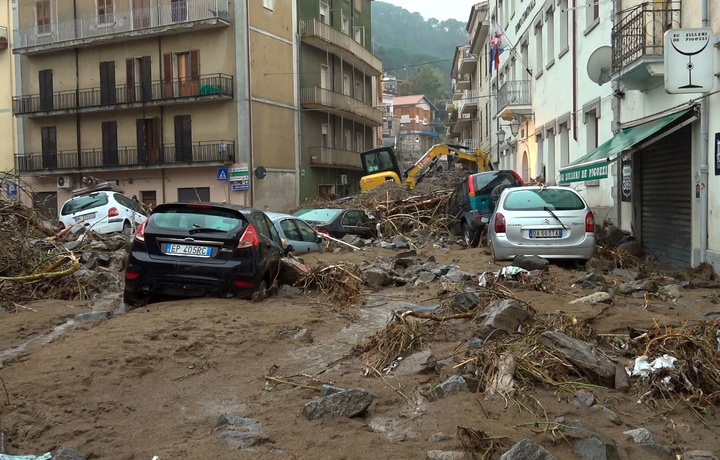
(380, 165)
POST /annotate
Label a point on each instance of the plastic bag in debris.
(506, 272)
(643, 368)
(46, 456)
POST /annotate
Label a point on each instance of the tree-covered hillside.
(404, 41)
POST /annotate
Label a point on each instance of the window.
(359, 142)
(360, 35)
(591, 130)
(540, 153)
(43, 17)
(181, 74)
(325, 135)
(550, 36)
(347, 85)
(105, 12)
(346, 25)
(324, 76)
(592, 15)
(324, 13)
(149, 198)
(47, 100)
(550, 170)
(348, 139)
(269, 5)
(564, 144)
(194, 194)
(564, 23)
(358, 5)
(179, 10)
(539, 200)
(525, 54)
(539, 64)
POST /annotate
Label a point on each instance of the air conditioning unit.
(342, 179)
(64, 182)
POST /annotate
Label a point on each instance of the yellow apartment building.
(170, 99)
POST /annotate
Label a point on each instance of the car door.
(310, 237)
(293, 236)
(271, 246)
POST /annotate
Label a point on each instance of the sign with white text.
(689, 66)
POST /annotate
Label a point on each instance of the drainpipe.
(78, 134)
(704, 153)
(251, 142)
(575, 70)
(615, 104)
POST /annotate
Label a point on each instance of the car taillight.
(113, 212)
(249, 238)
(61, 225)
(499, 223)
(324, 232)
(244, 284)
(140, 234)
(471, 186)
(590, 223)
(132, 276)
(519, 179)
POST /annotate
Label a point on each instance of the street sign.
(235, 186)
(12, 190)
(239, 174)
(689, 66)
(223, 174)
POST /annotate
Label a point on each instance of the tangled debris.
(341, 284)
(40, 262)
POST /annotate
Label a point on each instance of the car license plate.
(85, 217)
(545, 233)
(187, 250)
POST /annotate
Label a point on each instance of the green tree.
(428, 80)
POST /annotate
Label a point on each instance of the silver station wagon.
(549, 222)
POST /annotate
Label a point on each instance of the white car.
(549, 222)
(102, 212)
(297, 233)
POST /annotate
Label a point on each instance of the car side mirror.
(288, 249)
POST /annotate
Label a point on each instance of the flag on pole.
(498, 43)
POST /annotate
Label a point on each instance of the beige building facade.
(8, 136)
(170, 99)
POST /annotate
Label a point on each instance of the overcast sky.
(438, 9)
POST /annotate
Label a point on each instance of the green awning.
(594, 165)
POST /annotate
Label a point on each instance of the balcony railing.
(471, 143)
(469, 101)
(328, 34)
(641, 30)
(330, 99)
(334, 158)
(468, 62)
(514, 93)
(204, 87)
(124, 157)
(178, 14)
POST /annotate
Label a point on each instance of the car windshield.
(542, 200)
(208, 220)
(318, 215)
(82, 203)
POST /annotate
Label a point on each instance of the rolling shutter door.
(666, 198)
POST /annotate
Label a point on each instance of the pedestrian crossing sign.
(223, 174)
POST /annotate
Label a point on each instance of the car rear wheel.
(261, 292)
(492, 251)
(127, 228)
(132, 299)
(471, 237)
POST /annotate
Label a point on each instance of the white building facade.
(666, 170)
(543, 88)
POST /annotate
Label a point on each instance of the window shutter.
(168, 74)
(130, 79)
(195, 65)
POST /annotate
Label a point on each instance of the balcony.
(326, 37)
(471, 143)
(461, 124)
(166, 156)
(326, 157)
(175, 17)
(463, 82)
(183, 90)
(469, 101)
(514, 97)
(468, 63)
(340, 104)
(638, 42)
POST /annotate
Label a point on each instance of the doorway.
(141, 14)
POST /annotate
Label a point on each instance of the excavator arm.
(477, 159)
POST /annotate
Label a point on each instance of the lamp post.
(514, 127)
(500, 136)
